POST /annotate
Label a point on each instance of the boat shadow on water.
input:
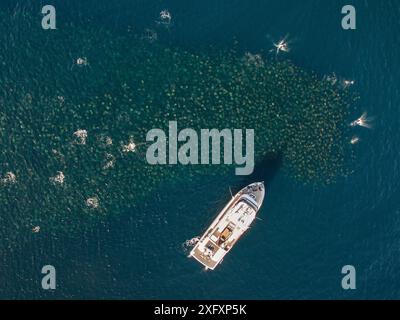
(265, 170)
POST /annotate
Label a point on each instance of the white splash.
(9, 178)
(82, 61)
(92, 202)
(81, 136)
(355, 140)
(192, 242)
(347, 83)
(130, 147)
(36, 229)
(58, 178)
(363, 121)
(188, 244)
(165, 18)
(282, 45)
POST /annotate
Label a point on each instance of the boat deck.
(204, 259)
(229, 226)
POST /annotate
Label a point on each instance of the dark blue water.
(307, 233)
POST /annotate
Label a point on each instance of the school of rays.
(72, 133)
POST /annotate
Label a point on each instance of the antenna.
(230, 191)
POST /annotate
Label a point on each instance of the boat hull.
(229, 225)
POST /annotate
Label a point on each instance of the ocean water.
(308, 232)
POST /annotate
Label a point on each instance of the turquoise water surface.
(132, 245)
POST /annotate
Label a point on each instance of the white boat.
(229, 226)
